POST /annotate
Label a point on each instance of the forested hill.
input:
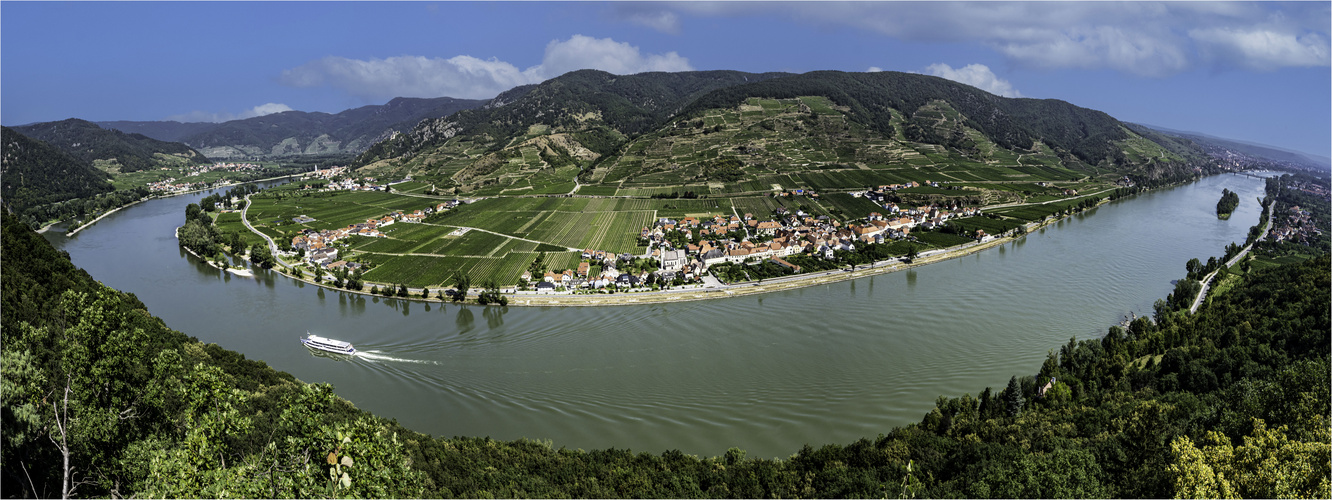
(872, 97)
(302, 133)
(578, 100)
(35, 173)
(111, 150)
(606, 127)
(102, 399)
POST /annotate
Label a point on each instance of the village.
(338, 181)
(317, 246)
(680, 252)
(1298, 227)
(172, 185)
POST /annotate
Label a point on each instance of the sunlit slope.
(731, 132)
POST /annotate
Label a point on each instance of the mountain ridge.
(904, 112)
(301, 132)
(111, 150)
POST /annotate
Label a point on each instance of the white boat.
(328, 345)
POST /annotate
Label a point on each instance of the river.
(767, 374)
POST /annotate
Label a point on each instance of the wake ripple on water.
(374, 355)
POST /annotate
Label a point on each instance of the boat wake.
(374, 355)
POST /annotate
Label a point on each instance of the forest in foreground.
(100, 399)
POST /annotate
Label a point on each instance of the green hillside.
(842, 130)
(602, 106)
(35, 173)
(112, 150)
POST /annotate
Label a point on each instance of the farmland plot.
(760, 206)
(990, 226)
(417, 271)
(389, 245)
(853, 207)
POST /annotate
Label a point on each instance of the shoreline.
(76, 230)
(726, 291)
(210, 263)
(100, 217)
(751, 288)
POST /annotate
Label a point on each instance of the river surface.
(768, 373)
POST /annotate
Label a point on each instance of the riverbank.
(236, 271)
(100, 217)
(76, 230)
(743, 289)
(534, 299)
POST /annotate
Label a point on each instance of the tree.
(402, 290)
(1193, 266)
(461, 284)
(1013, 399)
(1270, 464)
(491, 294)
(425, 293)
(260, 254)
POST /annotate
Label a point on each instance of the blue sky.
(1250, 71)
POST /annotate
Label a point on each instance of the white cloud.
(1263, 49)
(1151, 39)
(584, 52)
(408, 76)
(472, 78)
(265, 109)
(975, 75)
(660, 20)
(204, 116)
(874, 69)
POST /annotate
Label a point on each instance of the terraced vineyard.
(810, 143)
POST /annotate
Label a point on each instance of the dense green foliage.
(102, 399)
(83, 209)
(131, 152)
(1229, 200)
(34, 173)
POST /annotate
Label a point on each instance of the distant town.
(173, 185)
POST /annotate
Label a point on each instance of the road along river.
(766, 373)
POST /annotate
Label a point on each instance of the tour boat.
(328, 345)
